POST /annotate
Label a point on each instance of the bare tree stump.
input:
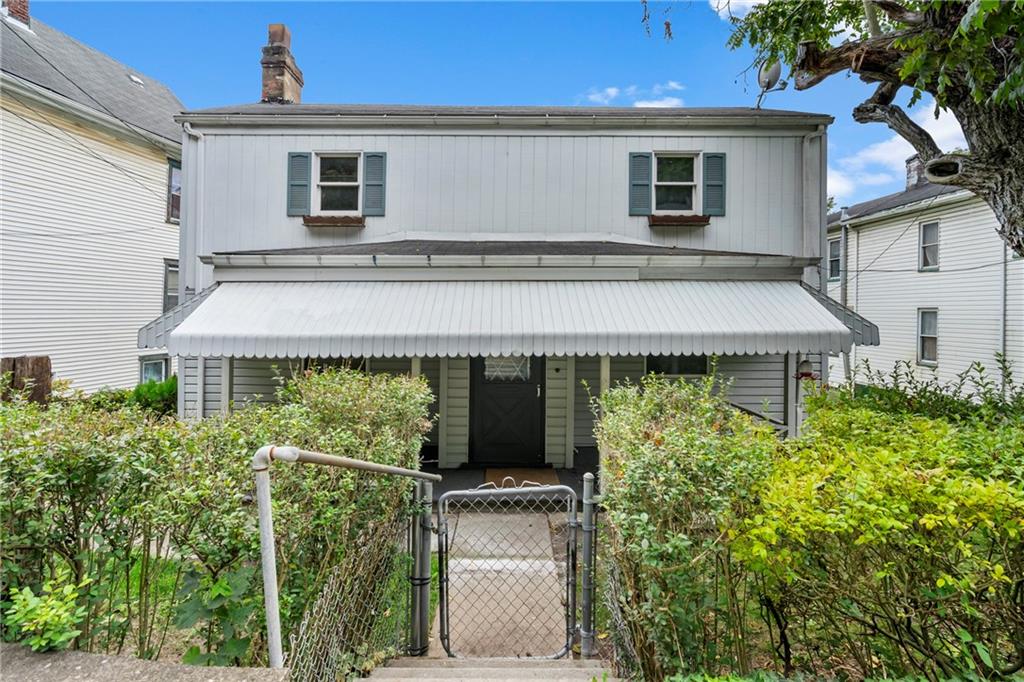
(31, 372)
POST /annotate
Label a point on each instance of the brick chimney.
(17, 9)
(282, 79)
(915, 172)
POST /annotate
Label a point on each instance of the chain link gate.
(507, 571)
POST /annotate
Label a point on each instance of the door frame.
(538, 377)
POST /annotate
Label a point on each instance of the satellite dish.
(769, 73)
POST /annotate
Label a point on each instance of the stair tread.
(561, 664)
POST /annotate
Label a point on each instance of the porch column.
(792, 395)
(415, 366)
(227, 382)
(604, 383)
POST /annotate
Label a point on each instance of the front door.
(507, 411)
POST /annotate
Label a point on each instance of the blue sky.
(479, 53)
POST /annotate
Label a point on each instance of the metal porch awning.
(473, 318)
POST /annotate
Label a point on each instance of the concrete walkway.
(22, 664)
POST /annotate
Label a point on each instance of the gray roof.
(921, 192)
(442, 247)
(508, 111)
(57, 62)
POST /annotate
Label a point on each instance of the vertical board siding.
(556, 412)
(966, 289)
(486, 182)
(82, 246)
(454, 450)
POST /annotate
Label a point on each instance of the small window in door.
(511, 369)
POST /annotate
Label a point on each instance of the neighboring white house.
(927, 267)
(89, 202)
(512, 255)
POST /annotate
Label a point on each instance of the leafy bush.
(160, 397)
(678, 471)
(159, 514)
(881, 542)
(47, 622)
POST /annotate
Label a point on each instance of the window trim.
(838, 259)
(358, 184)
(168, 264)
(921, 360)
(173, 164)
(707, 367)
(921, 267)
(697, 183)
(165, 364)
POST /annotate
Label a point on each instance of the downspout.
(197, 228)
(819, 133)
(1003, 301)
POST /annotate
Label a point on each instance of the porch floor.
(586, 459)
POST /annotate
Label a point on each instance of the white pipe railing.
(261, 462)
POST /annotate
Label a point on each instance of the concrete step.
(511, 670)
(496, 676)
(504, 663)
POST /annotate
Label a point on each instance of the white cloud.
(634, 95)
(885, 161)
(656, 103)
(603, 97)
(736, 8)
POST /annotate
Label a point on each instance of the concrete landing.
(493, 669)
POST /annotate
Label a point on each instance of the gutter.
(63, 105)
(498, 120)
(936, 201)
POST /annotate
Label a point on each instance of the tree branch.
(899, 13)
(879, 109)
(874, 57)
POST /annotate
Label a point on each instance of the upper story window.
(927, 336)
(928, 246)
(678, 365)
(835, 258)
(676, 183)
(170, 284)
(173, 190)
(337, 184)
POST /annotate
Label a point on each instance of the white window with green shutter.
(677, 189)
(337, 179)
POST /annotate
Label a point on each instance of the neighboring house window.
(153, 368)
(337, 184)
(927, 336)
(835, 262)
(173, 190)
(170, 284)
(929, 247)
(676, 188)
(678, 365)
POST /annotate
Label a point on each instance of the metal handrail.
(261, 462)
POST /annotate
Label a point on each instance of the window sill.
(664, 220)
(935, 269)
(333, 221)
(927, 363)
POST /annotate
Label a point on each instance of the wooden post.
(415, 366)
(604, 383)
(227, 382)
(33, 372)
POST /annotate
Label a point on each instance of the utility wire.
(913, 221)
(141, 132)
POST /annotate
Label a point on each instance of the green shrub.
(47, 621)
(678, 471)
(160, 397)
(159, 513)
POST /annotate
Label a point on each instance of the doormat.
(519, 475)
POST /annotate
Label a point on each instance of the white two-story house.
(927, 266)
(90, 190)
(520, 258)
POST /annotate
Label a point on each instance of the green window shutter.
(714, 184)
(300, 171)
(374, 175)
(640, 183)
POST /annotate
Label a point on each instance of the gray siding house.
(520, 258)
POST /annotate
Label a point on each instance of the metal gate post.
(589, 555)
(422, 526)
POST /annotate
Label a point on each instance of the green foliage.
(886, 540)
(978, 43)
(160, 397)
(158, 513)
(47, 621)
(679, 469)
